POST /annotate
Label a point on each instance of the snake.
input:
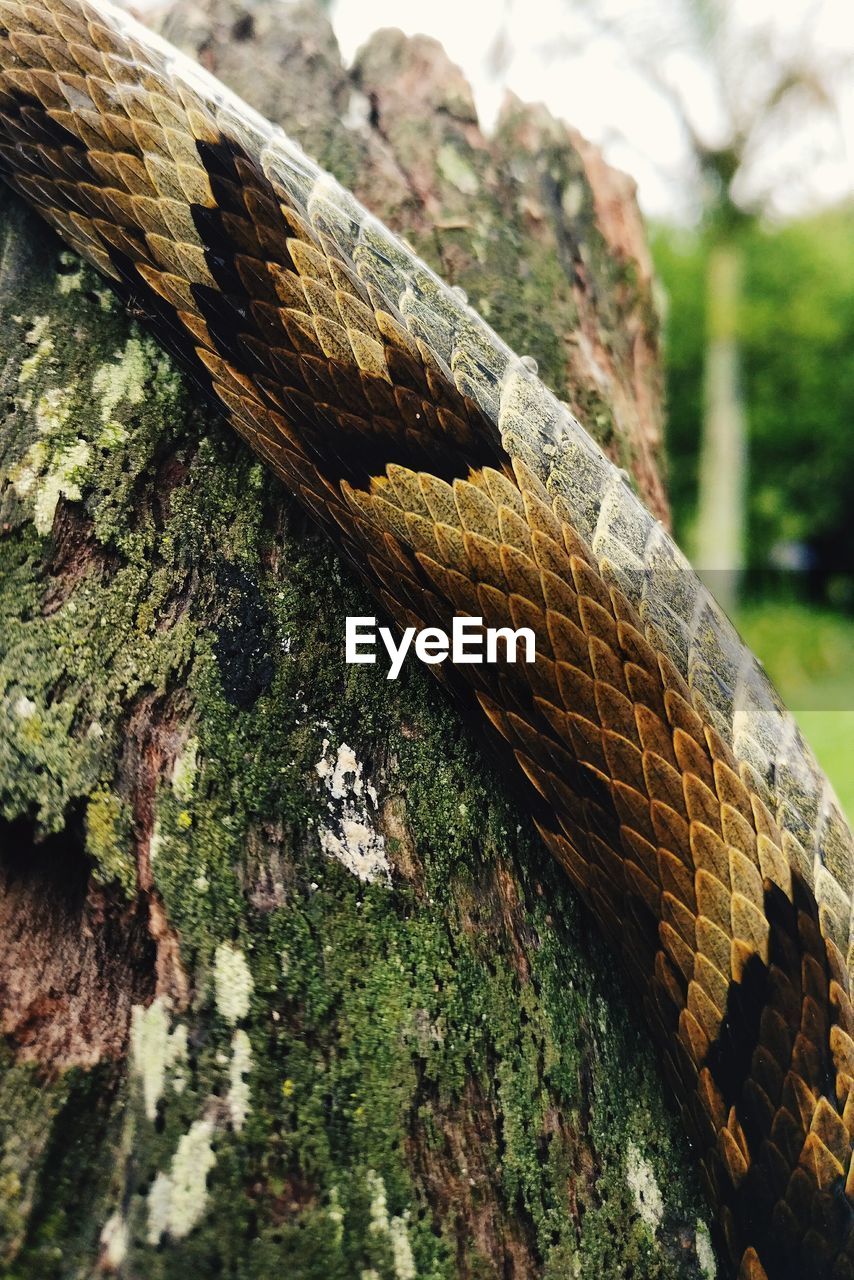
(660, 766)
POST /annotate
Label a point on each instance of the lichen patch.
(61, 481)
(53, 466)
(109, 842)
(70, 278)
(126, 381)
(38, 336)
(239, 1067)
(644, 1187)
(114, 1242)
(177, 1199)
(53, 409)
(232, 983)
(350, 835)
(158, 1054)
(122, 379)
(393, 1229)
(705, 1252)
(184, 771)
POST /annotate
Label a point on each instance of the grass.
(809, 654)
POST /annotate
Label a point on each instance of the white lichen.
(401, 1250)
(379, 1203)
(157, 1053)
(111, 435)
(123, 379)
(351, 836)
(36, 336)
(358, 847)
(24, 708)
(343, 776)
(54, 465)
(159, 1196)
(177, 1199)
(191, 1165)
(185, 769)
(156, 842)
(646, 1194)
(62, 480)
(114, 1242)
(705, 1252)
(239, 1068)
(336, 1216)
(232, 983)
(393, 1229)
(69, 281)
(53, 409)
(24, 474)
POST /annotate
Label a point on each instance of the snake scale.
(663, 771)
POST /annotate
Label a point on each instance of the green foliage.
(797, 339)
(807, 652)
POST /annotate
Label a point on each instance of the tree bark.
(287, 984)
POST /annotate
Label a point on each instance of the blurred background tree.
(737, 92)
(796, 341)
(796, 337)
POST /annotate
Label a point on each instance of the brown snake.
(665, 775)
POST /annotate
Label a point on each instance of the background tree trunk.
(226, 1054)
(722, 488)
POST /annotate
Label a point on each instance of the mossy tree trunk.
(287, 985)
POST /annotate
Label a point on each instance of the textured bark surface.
(225, 1053)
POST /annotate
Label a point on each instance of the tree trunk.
(287, 984)
(721, 499)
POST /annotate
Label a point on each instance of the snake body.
(664, 773)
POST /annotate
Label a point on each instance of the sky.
(550, 51)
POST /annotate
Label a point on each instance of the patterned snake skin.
(665, 775)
